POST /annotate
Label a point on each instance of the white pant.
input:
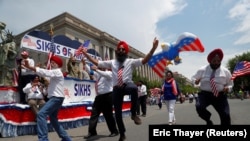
(170, 108)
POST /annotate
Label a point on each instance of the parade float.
(17, 119)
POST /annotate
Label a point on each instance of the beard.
(215, 66)
(121, 57)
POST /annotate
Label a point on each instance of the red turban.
(57, 60)
(213, 53)
(125, 46)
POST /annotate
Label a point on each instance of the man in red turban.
(57, 60)
(56, 97)
(215, 82)
(122, 68)
(214, 58)
(122, 50)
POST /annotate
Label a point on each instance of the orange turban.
(214, 53)
(125, 46)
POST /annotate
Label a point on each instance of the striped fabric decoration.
(213, 84)
(119, 74)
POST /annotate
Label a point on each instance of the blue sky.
(217, 23)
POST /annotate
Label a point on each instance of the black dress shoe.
(113, 134)
(89, 136)
(136, 119)
(122, 138)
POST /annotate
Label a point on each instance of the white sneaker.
(170, 123)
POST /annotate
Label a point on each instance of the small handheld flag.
(83, 46)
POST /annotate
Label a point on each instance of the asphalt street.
(185, 115)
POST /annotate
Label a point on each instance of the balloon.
(170, 51)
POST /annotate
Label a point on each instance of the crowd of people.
(42, 89)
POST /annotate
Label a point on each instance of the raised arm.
(28, 66)
(149, 55)
(91, 59)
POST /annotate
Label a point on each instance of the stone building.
(76, 29)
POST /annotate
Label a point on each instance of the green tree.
(184, 86)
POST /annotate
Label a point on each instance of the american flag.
(26, 39)
(158, 63)
(51, 53)
(154, 91)
(241, 68)
(83, 46)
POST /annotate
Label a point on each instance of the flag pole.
(51, 30)
(51, 46)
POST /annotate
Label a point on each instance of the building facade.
(76, 29)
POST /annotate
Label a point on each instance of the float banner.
(199, 132)
(79, 90)
(38, 41)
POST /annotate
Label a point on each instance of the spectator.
(142, 99)
(26, 75)
(152, 100)
(35, 97)
(170, 92)
(241, 94)
(160, 98)
(73, 68)
(85, 72)
(191, 98)
(182, 98)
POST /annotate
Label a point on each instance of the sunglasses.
(121, 49)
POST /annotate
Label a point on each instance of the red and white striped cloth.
(155, 91)
(213, 84)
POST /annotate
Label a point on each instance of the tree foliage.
(184, 86)
(149, 84)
